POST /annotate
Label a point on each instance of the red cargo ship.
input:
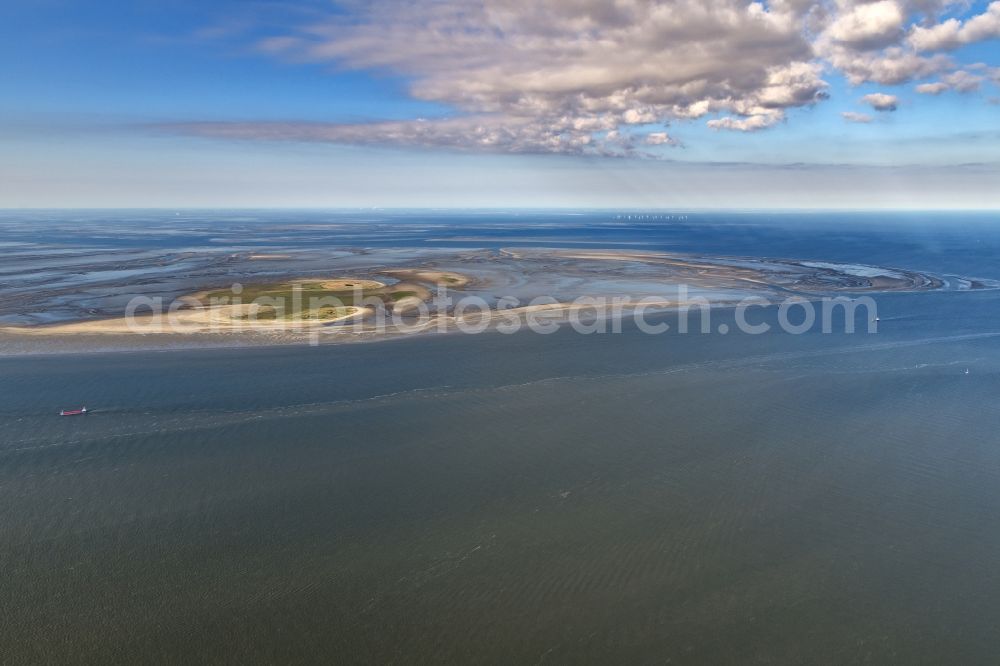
(73, 412)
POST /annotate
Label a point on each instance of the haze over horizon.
(786, 104)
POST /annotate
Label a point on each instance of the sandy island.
(347, 302)
(191, 320)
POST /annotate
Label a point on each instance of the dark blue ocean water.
(941, 241)
(507, 499)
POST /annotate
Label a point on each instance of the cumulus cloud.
(659, 139)
(867, 41)
(891, 66)
(954, 33)
(959, 81)
(963, 81)
(560, 76)
(608, 77)
(935, 88)
(869, 25)
(746, 124)
(881, 101)
(641, 61)
(852, 117)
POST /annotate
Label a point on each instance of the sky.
(500, 103)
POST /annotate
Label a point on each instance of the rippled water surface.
(523, 499)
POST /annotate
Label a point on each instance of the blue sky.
(431, 104)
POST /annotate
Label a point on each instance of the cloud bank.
(608, 77)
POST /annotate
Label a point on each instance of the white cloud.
(637, 117)
(891, 66)
(935, 88)
(574, 68)
(869, 25)
(866, 41)
(953, 33)
(852, 117)
(959, 81)
(881, 101)
(962, 81)
(583, 76)
(659, 139)
(746, 124)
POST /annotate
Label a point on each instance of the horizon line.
(500, 209)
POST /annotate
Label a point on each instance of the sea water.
(563, 498)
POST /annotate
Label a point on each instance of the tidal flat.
(348, 300)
